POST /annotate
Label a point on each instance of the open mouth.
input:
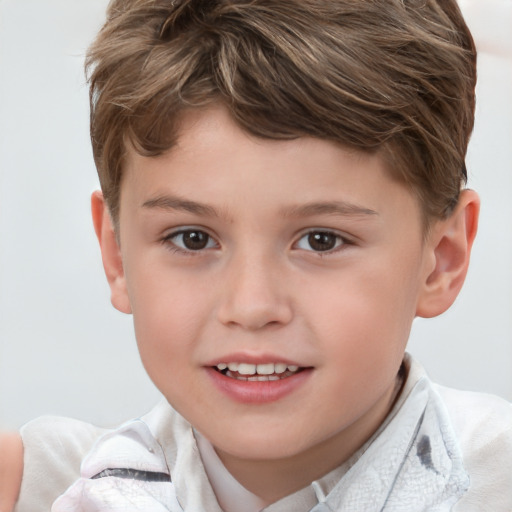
(258, 372)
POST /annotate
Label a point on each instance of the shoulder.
(11, 469)
(53, 450)
(480, 420)
(482, 424)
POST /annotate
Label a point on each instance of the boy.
(281, 196)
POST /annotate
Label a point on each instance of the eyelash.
(339, 241)
(169, 241)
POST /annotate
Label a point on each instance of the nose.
(254, 295)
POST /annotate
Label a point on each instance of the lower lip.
(258, 392)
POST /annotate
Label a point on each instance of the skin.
(260, 292)
(11, 469)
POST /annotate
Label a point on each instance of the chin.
(260, 444)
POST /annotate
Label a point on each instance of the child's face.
(258, 252)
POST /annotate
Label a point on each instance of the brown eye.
(320, 241)
(192, 240)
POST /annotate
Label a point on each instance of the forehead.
(216, 162)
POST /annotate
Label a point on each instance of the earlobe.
(110, 253)
(449, 249)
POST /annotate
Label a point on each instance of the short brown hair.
(396, 76)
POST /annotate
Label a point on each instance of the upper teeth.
(260, 369)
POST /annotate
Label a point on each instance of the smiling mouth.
(258, 372)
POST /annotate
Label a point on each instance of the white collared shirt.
(438, 450)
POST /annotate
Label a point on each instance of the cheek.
(169, 315)
(366, 315)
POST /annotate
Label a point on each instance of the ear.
(110, 253)
(449, 249)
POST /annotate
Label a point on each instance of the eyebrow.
(171, 203)
(338, 208)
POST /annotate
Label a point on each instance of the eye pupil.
(195, 240)
(322, 241)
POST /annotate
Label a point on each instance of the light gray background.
(64, 349)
